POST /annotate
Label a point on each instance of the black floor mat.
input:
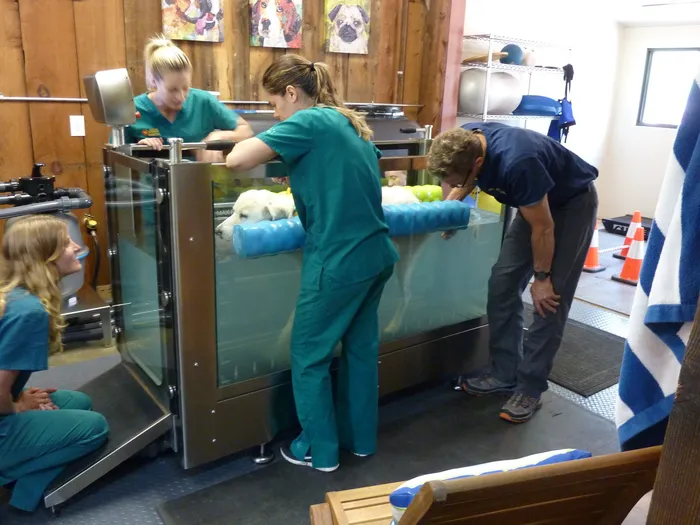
(588, 359)
(432, 432)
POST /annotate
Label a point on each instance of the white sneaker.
(287, 454)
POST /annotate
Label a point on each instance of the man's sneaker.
(520, 408)
(286, 452)
(483, 385)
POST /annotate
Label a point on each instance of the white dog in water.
(263, 205)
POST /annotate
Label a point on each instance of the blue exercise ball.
(515, 55)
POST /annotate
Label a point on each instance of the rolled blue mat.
(287, 235)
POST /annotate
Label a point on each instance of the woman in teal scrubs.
(172, 108)
(41, 430)
(348, 257)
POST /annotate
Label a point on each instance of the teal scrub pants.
(337, 313)
(36, 446)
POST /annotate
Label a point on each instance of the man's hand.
(458, 194)
(35, 399)
(543, 297)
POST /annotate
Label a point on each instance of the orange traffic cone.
(592, 264)
(633, 262)
(634, 224)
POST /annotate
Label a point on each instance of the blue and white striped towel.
(669, 285)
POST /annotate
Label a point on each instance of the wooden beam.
(441, 63)
(101, 44)
(413, 53)
(453, 62)
(16, 153)
(676, 497)
(142, 20)
(51, 70)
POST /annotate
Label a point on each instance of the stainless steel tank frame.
(176, 146)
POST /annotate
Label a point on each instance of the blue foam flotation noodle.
(286, 235)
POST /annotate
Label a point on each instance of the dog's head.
(255, 206)
(255, 10)
(270, 20)
(349, 22)
(291, 23)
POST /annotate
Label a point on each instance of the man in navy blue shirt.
(553, 190)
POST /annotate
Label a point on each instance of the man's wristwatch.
(542, 276)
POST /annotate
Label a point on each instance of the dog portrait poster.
(347, 26)
(201, 20)
(276, 23)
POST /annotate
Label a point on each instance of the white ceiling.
(655, 12)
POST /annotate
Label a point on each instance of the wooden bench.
(600, 490)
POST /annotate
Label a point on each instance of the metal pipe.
(4, 98)
(29, 209)
(175, 150)
(117, 136)
(77, 199)
(7, 200)
(183, 146)
(487, 81)
(8, 186)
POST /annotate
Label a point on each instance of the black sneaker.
(485, 385)
(520, 408)
(286, 452)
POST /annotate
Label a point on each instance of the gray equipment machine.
(37, 194)
(200, 331)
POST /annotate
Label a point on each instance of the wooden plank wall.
(48, 46)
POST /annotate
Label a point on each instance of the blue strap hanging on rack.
(559, 129)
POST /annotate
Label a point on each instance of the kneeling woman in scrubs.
(348, 257)
(41, 430)
(174, 109)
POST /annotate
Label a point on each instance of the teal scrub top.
(336, 183)
(24, 338)
(201, 114)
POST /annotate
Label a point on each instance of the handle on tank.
(216, 145)
(77, 199)
(427, 131)
(220, 145)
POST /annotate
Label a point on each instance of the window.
(668, 77)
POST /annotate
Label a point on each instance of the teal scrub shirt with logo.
(336, 184)
(201, 114)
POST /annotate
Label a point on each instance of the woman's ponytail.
(314, 79)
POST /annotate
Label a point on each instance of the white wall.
(594, 40)
(636, 156)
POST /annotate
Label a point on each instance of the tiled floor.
(604, 304)
(131, 494)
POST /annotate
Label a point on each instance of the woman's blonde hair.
(454, 151)
(29, 248)
(314, 79)
(162, 57)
